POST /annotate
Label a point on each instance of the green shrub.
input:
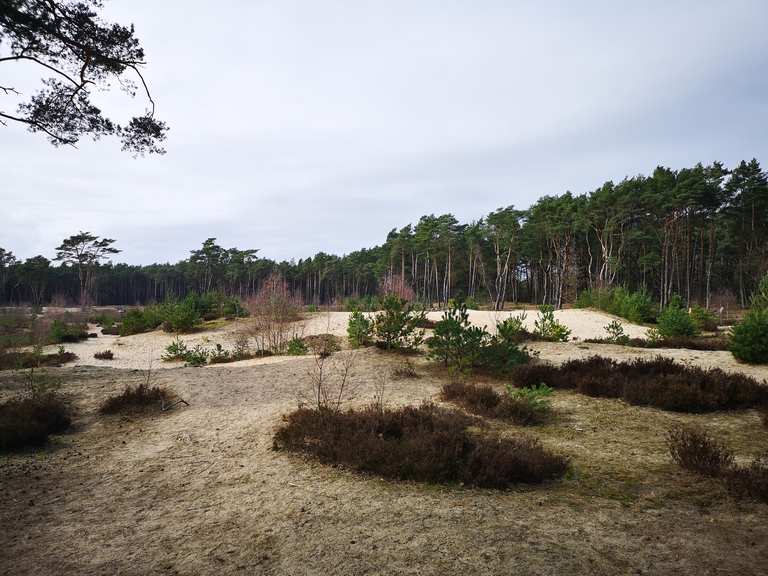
(485, 401)
(463, 347)
(181, 317)
(636, 307)
(62, 331)
(359, 329)
(548, 328)
(749, 341)
(396, 326)
(704, 319)
(537, 397)
(296, 347)
(176, 350)
(616, 334)
(760, 298)
(140, 320)
(675, 322)
(197, 356)
(512, 329)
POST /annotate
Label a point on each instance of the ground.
(199, 490)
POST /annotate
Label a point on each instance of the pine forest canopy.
(696, 232)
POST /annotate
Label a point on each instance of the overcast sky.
(299, 127)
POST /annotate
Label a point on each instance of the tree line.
(699, 233)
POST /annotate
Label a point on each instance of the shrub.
(34, 359)
(548, 328)
(463, 347)
(181, 317)
(708, 343)
(659, 382)
(425, 444)
(485, 401)
(616, 334)
(750, 481)
(274, 310)
(512, 329)
(636, 307)
(760, 298)
(536, 397)
(104, 355)
(67, 332)
(135, 397)
(396, 326)
(359, 329)
(322, 344)
(404, 371)
(296, 347)
(675, 322)
(176, 350)
(749, 341)
(28, 421)
(704, 319)
(197, 356)
(695, 450)
(138, 320)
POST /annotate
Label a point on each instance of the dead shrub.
(485, 401)
(27, 422)
(695, 450)
(274, 312)
(322, 344)
(659, 382)
(426, 444)
(104, 355)
(404, 371)
(136, 397)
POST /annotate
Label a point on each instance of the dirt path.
(199, 491)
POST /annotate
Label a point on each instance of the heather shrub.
(659, 382)
(749, 340)
(548, 328)
(27, 422)
(750, 481)
(322, 344)
(708, 343)
(524, 407)
(425, 444)
(359, 329)
(17, 360)
(695, 450)
(136, 397)
(396, 326)
(104, 355)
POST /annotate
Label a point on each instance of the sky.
(305, 126)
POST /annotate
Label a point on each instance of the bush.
(34, 359)
(695, 450)
(396, 326)
(636, 307)
(659, 382)
(704, 319)
(616, 334)
(749, 341)
(463, 347)
(67, 332)
(176, 350)
(135, 397)
(296, 347)
(359, 329)
(675, 322)
(27, 422)
(512, 329)
(274, 310)
(404, 371)
(197, 356)
(520, 407)
(706, 343)
(322, 344)
(104, 355)
(181, 317)
(535, 397)
(139, 320)
(548, 328)
(425, 444)
(760, 298)
(750, 481)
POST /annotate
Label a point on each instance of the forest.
(698, 233)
